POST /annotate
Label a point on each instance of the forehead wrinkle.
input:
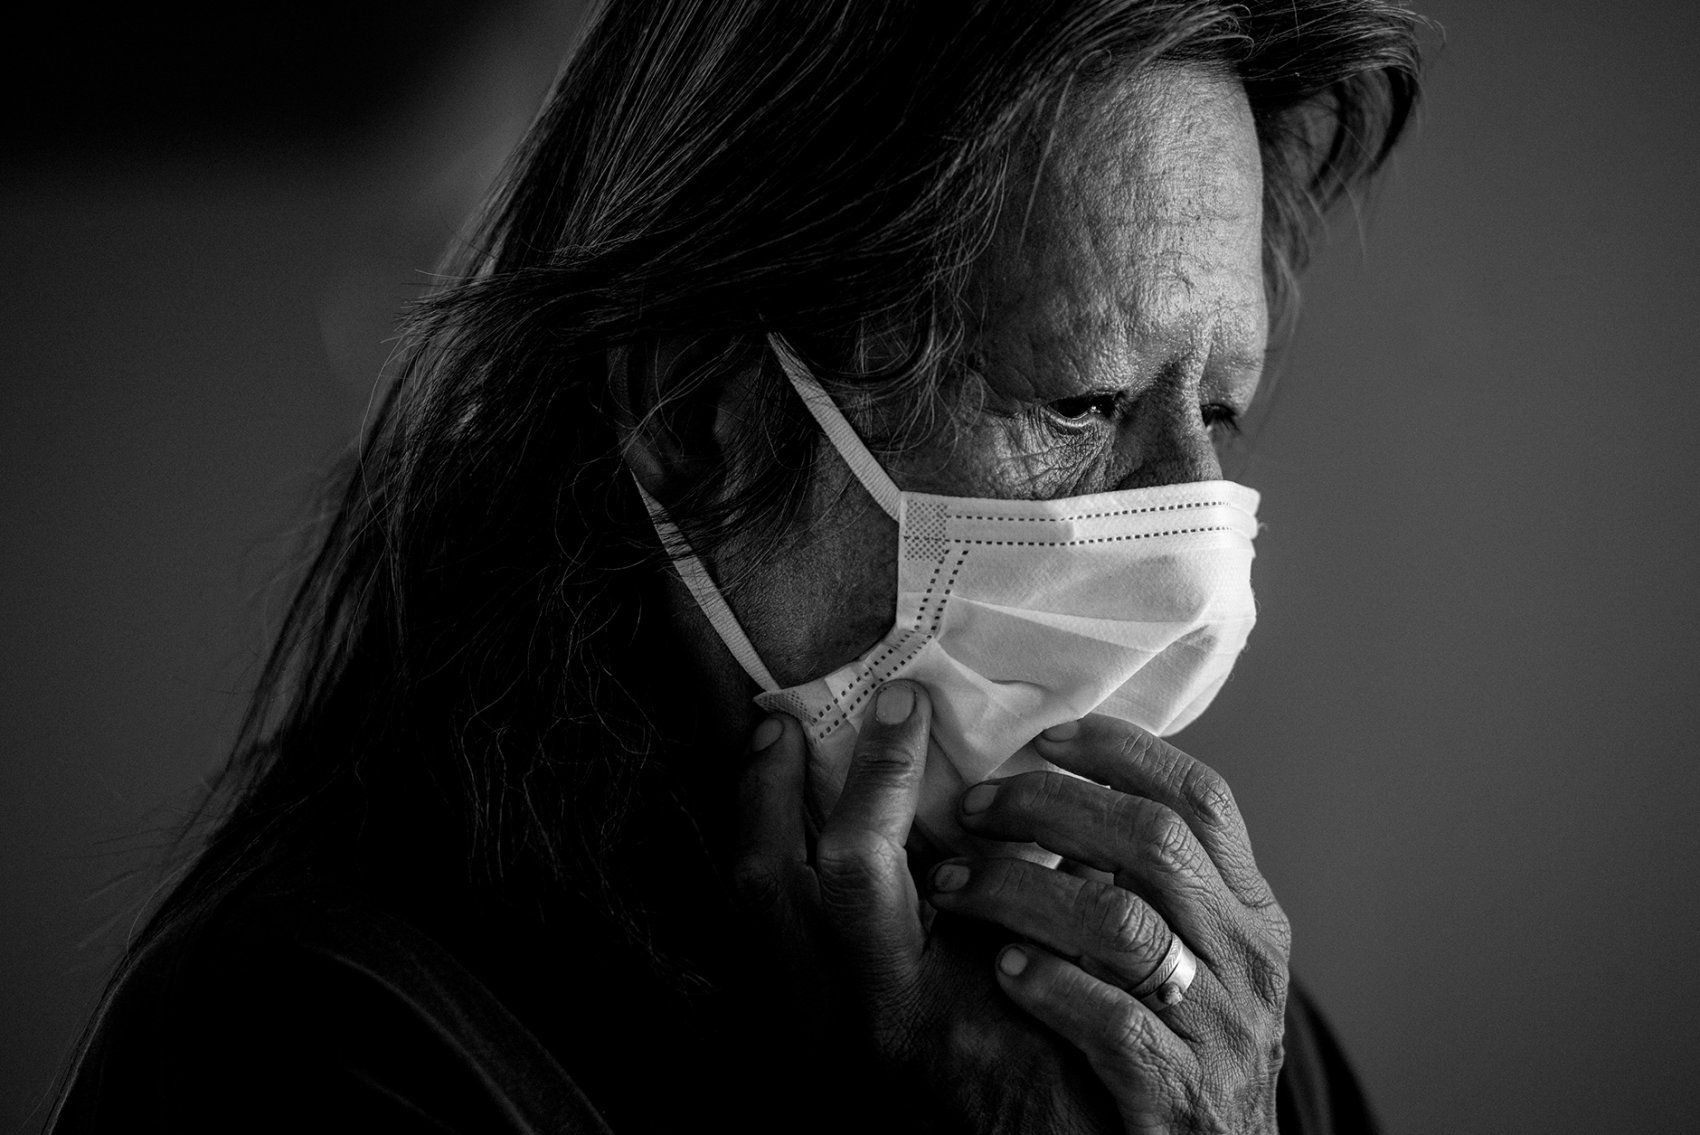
(1054, 299)
(1061, 284)
(1119, 263)
(1188, 294)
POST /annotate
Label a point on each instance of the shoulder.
(297, 1005)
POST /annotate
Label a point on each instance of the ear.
(638, 446)
(668, 434)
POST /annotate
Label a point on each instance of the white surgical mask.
(1018, 615)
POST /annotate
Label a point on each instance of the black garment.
(305, 1008)
(308, 1010)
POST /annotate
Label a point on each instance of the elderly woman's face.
(1123, 328)
(1124, 318)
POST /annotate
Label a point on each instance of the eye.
(1084, 410)
(1222, 421)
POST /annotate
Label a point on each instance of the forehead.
(1135, 234)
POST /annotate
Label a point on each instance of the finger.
(1128, 1045)
(1148, 847)
(770, 857)
(1109, 931)
(784, 979)
(1128, 758)
(860, 861)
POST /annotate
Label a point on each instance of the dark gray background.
(1465, 732)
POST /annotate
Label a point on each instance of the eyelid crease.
(1079, 416)
(1120, 399)
(1116, 398)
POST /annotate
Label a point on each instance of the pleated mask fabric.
(1018, 615)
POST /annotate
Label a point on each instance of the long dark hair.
(465, 665)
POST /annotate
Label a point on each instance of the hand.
(904, 1027)
(1177, 860)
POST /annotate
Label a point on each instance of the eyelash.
(1070, 409)
(1221, 420)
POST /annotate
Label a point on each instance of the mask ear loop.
(694, 574)
(838, 430)
(695, 577)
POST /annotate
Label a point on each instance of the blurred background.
(1465, 733)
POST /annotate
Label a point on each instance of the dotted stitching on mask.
(846, 710)
(867, 682)
(950, 586)
(1098, 515)
(1098, 539)
(889, 651)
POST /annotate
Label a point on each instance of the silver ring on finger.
(1166, 985)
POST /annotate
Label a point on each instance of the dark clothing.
(1317, 1091)
(306, 1008)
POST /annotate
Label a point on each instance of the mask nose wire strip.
(839, 431)
(696, 579)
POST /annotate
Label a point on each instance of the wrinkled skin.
(1124, 322)
(1160, 849)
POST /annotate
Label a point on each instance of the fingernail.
(766, 734)
(894, 704)
(1012, 961)
(1067, 731)
(950, 876)
(979, 798)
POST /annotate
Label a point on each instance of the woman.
(489, 859)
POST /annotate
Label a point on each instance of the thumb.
(863, 871)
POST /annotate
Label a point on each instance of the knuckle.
(1237, 1078)
(851, 863)
(1242, 1040)
(1242, 874)
(1127, 1032)
(1267, 972)
(885, 761)
(1124, 813)
(1135, 746)
(1257, 962)
(1210, 1098)
(1208, 796)
(1269, 986)
(1170, 845)
(999, 881)
(1048, 789)
(1030, 794)
(1118, 919)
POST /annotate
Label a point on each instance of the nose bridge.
(1170, 442)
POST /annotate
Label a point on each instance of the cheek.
(1011, 457)
(828, 601)
(851, 591)
(825, 601)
